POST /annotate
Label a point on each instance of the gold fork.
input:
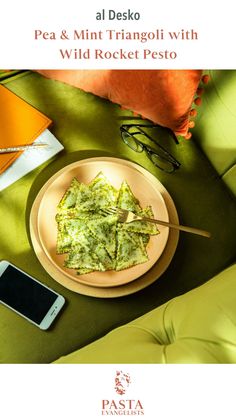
(125, 216)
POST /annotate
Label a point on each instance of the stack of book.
(21, 125)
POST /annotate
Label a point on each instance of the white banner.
(134, 34)
(98, 391)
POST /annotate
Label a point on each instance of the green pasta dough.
(94, 242)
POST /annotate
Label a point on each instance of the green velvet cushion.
(216, 123)
(197, 327)
(88, 126)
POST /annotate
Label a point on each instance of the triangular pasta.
(130, 250)
(98, 243)
(68, 230)
(70, 196)
(88, 252)
(142, 226)
(104, 229)
(105, 195)
(127, 200)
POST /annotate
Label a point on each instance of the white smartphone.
(28, 297)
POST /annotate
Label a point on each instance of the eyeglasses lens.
(130, 140)
(163, 164)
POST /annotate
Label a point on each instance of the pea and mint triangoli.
(94, 242)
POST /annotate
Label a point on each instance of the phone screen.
(25, 295)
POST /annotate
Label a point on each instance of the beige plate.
(116, 172)
(143, 281)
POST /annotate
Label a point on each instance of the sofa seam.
(208, 341)
(149, 331)
(228, 169)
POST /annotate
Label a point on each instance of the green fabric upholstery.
(229, 179)
(197, 327)
(216, 124)
(88, 126)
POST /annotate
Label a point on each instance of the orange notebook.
(20, 124)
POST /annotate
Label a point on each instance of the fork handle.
(179, 227)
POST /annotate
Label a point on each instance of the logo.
(122, 382)
(124, 405)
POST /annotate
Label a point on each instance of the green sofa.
(196, 327)
(199, 325)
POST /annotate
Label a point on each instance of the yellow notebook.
(20, 123)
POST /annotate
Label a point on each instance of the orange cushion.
(162, 96)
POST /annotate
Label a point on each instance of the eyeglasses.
(133, 134)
